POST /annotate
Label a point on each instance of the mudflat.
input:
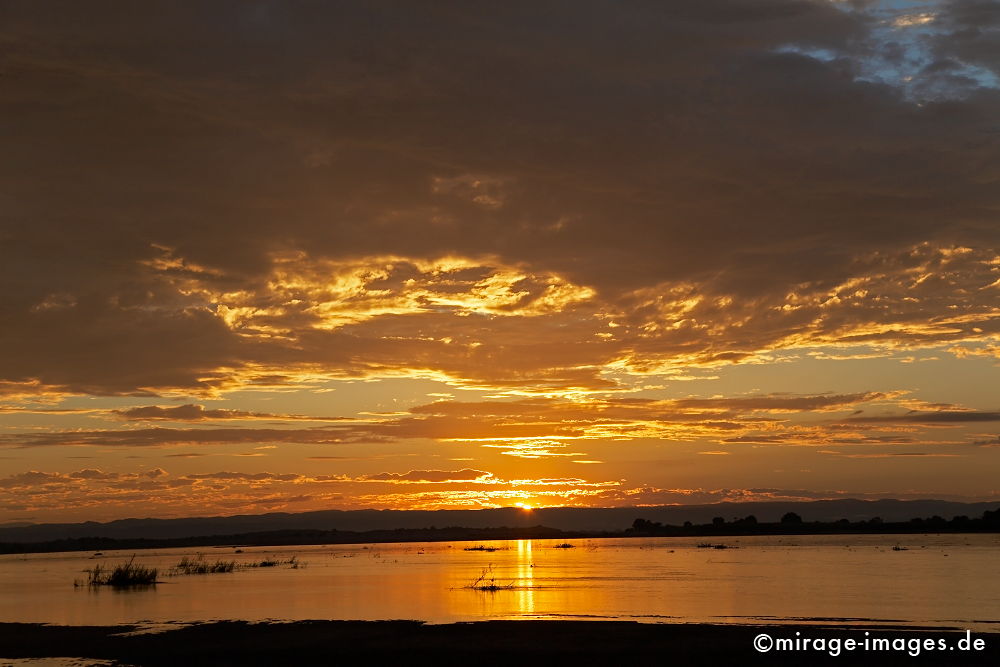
(543, 642)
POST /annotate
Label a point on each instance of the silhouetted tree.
(718, 521)
(791, 517)
(641, 524)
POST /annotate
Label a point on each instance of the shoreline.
(499, 642)
(409, 536)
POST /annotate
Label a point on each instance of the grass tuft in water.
(293, 562)
(200, 566)
(123, 575)
(487, 581)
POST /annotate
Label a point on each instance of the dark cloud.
(544, 427)
(940, 417)
(969, 31)
(174, 172)
(191, 412)
(890, 455)
(188, 412)
(779, 403)
(156, 437)
(88, 475)
(246, 477)
(463, 475)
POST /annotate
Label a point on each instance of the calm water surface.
(947, 580)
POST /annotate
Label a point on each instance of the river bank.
(546, 642)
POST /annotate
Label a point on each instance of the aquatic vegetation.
(200, 566)
(487, 581)
(274, 562)
(564, 545)
(130, 574)
(483, 547)
(123, 575)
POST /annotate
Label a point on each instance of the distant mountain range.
(563, 518)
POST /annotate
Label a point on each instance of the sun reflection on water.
(526, 578)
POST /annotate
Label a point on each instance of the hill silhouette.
(561, 518)
(790, 522)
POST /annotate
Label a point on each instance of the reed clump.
(200, 566)
(123, 575)
(292, 562)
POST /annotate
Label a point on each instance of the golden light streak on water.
(525, 577)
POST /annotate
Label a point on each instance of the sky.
(266, 256)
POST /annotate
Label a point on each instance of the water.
(946, 580)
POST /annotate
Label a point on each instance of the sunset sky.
(283, 256)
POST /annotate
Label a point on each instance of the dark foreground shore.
(483, 643)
